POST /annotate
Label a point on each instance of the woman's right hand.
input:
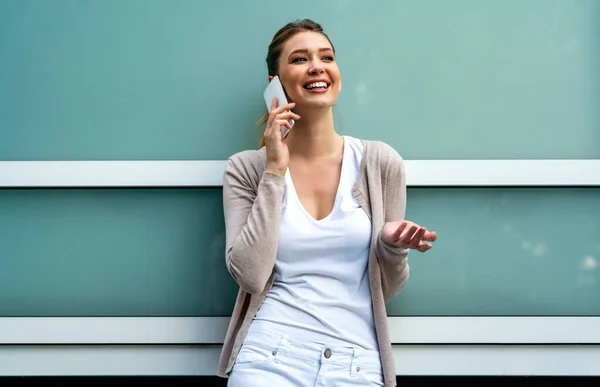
(278, 155)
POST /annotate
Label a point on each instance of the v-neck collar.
(296, 198)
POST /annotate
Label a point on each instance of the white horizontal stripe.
(200, 360)
(113, 330)
(111, 173)
(480, 360)
(211, 330)
(14, 174)
(503, 172)
(494, 330)
(108, 360)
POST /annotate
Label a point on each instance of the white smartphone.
(275, 89)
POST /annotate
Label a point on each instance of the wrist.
(389, 244)
(275, 170)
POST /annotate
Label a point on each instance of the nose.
(316, 69)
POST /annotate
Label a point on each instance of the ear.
(340, 88)
(270, 78)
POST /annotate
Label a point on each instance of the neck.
(313, 136)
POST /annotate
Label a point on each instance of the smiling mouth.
(319, 85)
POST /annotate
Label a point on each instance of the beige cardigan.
(252, 201)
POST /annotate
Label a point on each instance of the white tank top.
(321, 288)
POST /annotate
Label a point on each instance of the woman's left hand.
(408, 235)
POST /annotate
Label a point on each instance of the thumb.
(429, 236)
(396, 234)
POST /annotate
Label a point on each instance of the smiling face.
(308, 71)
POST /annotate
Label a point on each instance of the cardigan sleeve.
(251, 223)
(392, 259)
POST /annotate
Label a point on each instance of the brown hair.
(276, 47)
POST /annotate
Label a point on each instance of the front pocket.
(252, 356)
(373, 377)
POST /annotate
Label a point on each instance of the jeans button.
(327, 353)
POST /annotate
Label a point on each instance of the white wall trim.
(170, 360)
(440, 173)
(211, 330)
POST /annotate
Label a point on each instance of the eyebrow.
(305, 51)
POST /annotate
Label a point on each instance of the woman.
(316, 237)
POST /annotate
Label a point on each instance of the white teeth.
(316, 84)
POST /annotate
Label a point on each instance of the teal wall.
(183, 79)
(161, 253)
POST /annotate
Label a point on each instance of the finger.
(416, 238)
(287, 115)
(277, 124)
(275, 133)
(282, 108)
(423, 247)
(408, 233)
(271, 111)
(430, 236)
(396, 235)
(279, 110)
(274, 103)
(267, 132)
(270, 119)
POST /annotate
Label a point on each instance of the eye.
(298, 59)
(328, 58)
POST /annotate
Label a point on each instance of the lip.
(317, 91)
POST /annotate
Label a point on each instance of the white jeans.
(271, 360)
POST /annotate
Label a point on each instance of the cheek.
(289, 80)
(291, 89)
(335, 75)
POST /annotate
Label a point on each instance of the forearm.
(253, 235)
(395, 270)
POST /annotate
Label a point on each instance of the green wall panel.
(183, 79)
(115, 252)
(160, 252)
(505, 252)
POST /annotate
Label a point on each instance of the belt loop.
(354, 364)
(278, 348)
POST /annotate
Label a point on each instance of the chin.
(315, 103)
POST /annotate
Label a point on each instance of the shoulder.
(380, 155)
(247, 164)
(250, 158)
